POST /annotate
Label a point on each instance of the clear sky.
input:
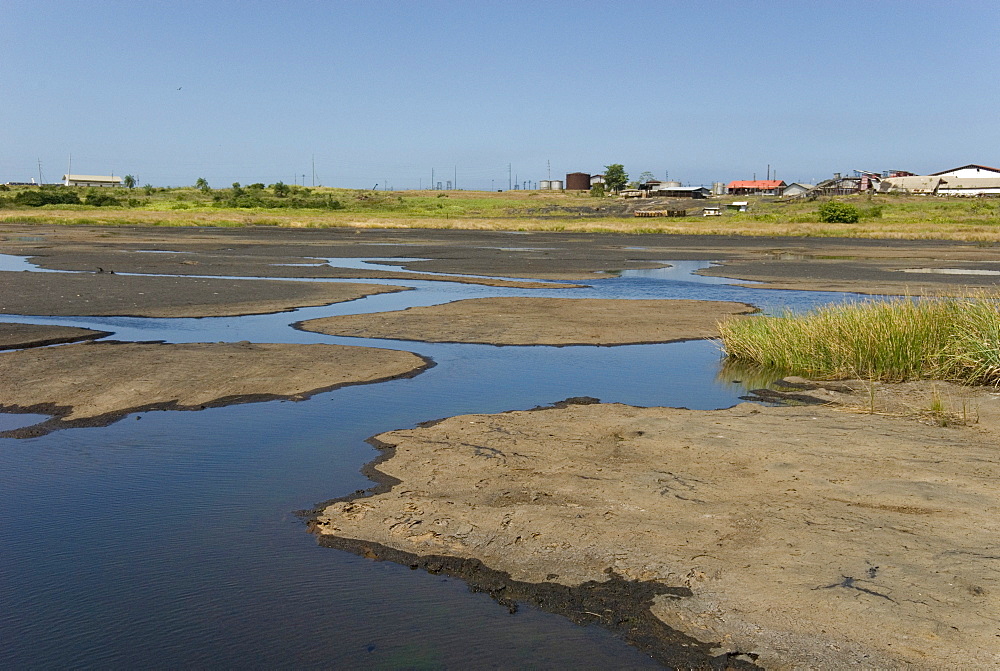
(386, 92)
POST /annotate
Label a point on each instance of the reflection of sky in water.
(219, 484)
(10, 262)
(9, 422)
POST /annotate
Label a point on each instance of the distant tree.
(237, 190)
(202, 184)
(597, 191)
(129, 182)
(148, 189)
(646, 177)
(615, 177)
(280, 189)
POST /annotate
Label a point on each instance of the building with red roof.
(757, 187)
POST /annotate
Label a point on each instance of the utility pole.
(548, 164)
(432, 179)
(40, 172)
(509, 183)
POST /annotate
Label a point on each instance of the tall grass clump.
(955, 339)
(973, 355)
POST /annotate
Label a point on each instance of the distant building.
(943, 185)
(797, 189)
(577, 181)
(757, 187)
(969, 186)
(666, 190)
(91, 180)
(916, 184)
(596, 179)
(845, 185)
(969, 171)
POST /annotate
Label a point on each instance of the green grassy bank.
(897, 217)
(954, 339)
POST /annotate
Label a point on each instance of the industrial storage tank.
(545, 184)
(669, 185)
(556, 185)
(718, 188)
(577, 181)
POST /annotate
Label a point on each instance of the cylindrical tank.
(545, 184)
(669, 185)
(718, 188)
(577, 181)
(556, 185)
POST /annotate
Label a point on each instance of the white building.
(797, 189)
(91, 180)
(970, 171)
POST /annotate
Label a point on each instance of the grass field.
(902, 217)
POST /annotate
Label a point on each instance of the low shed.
(91, 180)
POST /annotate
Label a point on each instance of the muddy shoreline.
(559, 322)
(20, 336)
(96, 384)
(822, 542)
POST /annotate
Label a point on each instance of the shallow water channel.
(168, 539)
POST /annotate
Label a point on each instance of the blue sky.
(386, 92)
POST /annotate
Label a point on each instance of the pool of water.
(168, 539)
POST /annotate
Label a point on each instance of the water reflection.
(167, 539)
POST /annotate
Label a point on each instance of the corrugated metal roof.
(919, 183)
(757, 184)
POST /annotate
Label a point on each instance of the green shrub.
(101, 198)
(834, 212)
(47, 196)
